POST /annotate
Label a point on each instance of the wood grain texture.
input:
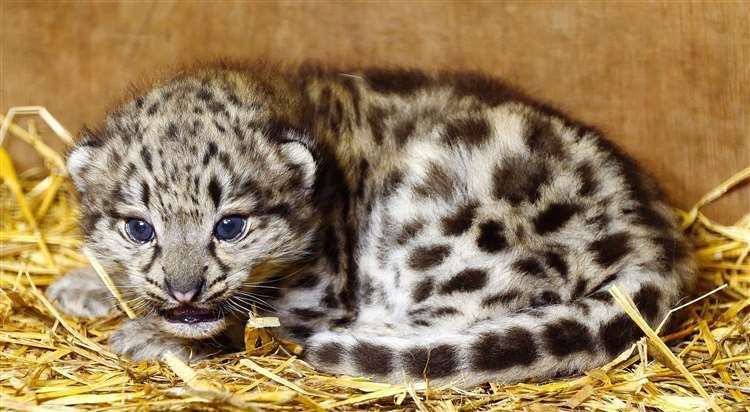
(669, 82)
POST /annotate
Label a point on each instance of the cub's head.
(191, 194)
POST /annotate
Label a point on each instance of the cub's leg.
(141, 339)
(81, 293)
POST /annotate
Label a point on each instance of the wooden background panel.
(669, 82)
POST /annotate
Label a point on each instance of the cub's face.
(190, 196)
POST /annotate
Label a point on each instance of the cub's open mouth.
(190, 314)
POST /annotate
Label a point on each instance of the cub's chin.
(191, 322)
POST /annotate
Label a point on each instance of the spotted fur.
(402, 225)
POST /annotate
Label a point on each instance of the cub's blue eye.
(229, 227)
(139, 230)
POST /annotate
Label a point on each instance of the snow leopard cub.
(401, 225)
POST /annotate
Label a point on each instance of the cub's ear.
(295, 147)
(81, 158)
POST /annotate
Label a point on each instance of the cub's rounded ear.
(82, 157)
(295, 148)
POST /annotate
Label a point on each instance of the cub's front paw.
(141, 339)
(81, 293)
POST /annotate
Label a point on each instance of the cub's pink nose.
(185, 297)
(184, 291)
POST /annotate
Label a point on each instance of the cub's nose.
(184, 290)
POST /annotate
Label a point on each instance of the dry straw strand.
(110, 285)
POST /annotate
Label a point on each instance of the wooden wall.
(670, 82)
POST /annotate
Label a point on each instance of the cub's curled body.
(401, 225)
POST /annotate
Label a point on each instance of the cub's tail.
(544, 342)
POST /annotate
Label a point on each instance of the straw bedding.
(52, 362)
